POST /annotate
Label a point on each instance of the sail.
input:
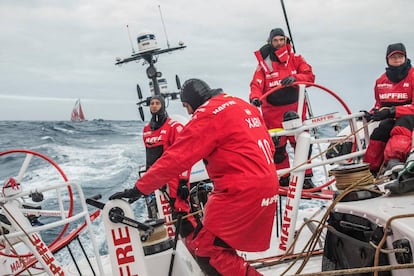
(77, 112)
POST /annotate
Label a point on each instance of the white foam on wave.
(98, 163)
(64, 130)
(49, 138)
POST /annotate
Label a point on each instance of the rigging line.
(316, 235)
(25, 233)
(387, 229)
(309, 249)
(130, 40)
(307, 100)
(184, 217)
(361, 270)
(163, 25)
(287, 24)
(312, 242)
(330, 147)
(294, 49)
(13, 249)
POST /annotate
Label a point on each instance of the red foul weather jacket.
(156, 143)
(400, 95)
(269, 74)
(229, 134)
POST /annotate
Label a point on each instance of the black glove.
(384, 113)
(367, 115)
(186, 226)
(288, 81)
(182, 190)
(256, 102)
(133, 193)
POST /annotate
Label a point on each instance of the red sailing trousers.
(219, 259)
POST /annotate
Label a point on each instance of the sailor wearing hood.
(158, 135)
(394, 107)
(230, 136)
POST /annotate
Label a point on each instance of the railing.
(36, 249)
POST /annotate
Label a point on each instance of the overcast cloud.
(53, 52)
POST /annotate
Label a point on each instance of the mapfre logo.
(153, 140)
(223, 106)
(393, 96)
(268, 201)
(274, 83)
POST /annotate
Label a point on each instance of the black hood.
(195, 92)
(158, 118)
(398, 73)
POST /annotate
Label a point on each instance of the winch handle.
(93, 201)
(116, 215)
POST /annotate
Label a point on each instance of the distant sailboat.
(77, 112)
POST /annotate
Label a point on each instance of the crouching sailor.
(230, 135)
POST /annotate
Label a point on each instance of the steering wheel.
(323, 88)
(29, 154)
(309, 84)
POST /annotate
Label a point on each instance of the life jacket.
(157, 141)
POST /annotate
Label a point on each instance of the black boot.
(284, 181)
(308, 183)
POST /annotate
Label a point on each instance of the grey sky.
(53, 52)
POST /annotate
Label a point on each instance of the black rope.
(287, 24)
(73, 259)
(84, 254)
(177, 230)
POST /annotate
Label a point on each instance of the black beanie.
(276, 32)
(195, 92)
(396, 48)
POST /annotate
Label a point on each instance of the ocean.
(102, 156)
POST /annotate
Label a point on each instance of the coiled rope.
(327, 149)
(309, 248)
(347, 175)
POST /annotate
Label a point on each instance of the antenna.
(163, 25)
(130, 40)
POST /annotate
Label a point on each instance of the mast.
(149, 52)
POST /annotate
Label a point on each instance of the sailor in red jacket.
(158, 135)
(231, 138)
(279, 65)
(394, 95)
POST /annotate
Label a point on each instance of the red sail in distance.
(77, 113)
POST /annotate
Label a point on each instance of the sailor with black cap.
(391, 142)
(230, 136)
(195, 92)
(279, 66)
